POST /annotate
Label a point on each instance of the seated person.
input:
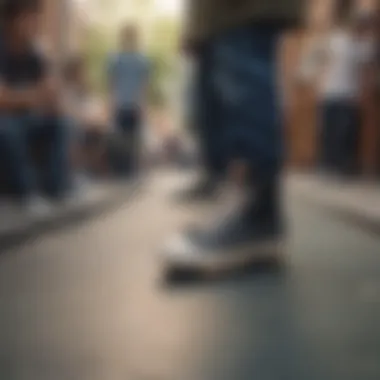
(29, 110)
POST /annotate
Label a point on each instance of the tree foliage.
(96, 49)
(163, 52)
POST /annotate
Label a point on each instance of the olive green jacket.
(205, 18)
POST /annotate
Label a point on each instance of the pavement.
(17, 225)
(358, 200)
(89, 302)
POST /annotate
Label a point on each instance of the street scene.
(189, 191)
(90, 302)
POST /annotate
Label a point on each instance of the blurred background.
(91, 28)
(81, 289)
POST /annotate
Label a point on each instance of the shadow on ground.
(176, 279)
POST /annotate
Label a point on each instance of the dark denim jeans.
(241, 113)
(339, 136)
(128, 119)
(17, 134)
(124, 155)
(239, 101)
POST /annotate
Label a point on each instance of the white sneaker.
(37, 206)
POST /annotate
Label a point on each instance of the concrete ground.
(89, 303)
(358, 198)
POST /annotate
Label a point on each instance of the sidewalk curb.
(117, 195)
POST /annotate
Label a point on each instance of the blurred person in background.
(242, 39)
(30, 109)
(128, 79)
(340, 62)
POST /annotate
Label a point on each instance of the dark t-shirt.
(21, 69)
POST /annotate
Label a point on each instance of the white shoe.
(39, 207)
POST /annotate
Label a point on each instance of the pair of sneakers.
(38, 206)
(252, 232)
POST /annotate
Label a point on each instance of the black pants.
(339, 136)
(128, 119)
(126, 144)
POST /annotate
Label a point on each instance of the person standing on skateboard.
(240, 41)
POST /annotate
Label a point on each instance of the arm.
(14, 100)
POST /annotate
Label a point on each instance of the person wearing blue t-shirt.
(128, 76)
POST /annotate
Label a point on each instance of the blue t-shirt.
(127, 77)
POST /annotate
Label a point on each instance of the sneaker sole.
(268, 252)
